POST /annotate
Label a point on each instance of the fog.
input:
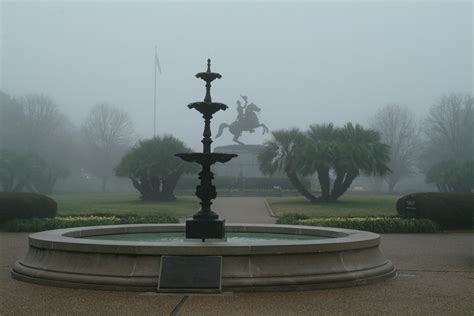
(302, 63)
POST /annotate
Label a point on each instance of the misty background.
(302, 63)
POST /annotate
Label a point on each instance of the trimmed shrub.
(242, 183)
(26, 205)
(291, 219)
(40, 224)
(375, 224)
(449, 210)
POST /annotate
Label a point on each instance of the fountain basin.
(334, 258)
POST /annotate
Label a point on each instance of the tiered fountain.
(205, 255)
(205, 223)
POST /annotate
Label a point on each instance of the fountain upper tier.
(208, 76)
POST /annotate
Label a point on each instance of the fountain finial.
(208, 76)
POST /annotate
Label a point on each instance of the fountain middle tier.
(208, 107)
(206, 158)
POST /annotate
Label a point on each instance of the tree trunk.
(342, 183)
(325, 183)
(169, 184)
(293, 177)
(391, 185)
(440, 188)
(392, 182)
(345, 185)
(20, 185)
(337, 187)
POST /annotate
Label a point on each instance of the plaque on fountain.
(190, 273)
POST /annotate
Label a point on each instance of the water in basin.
(231, 237)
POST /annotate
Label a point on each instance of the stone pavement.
(435, 277)
(242, 210)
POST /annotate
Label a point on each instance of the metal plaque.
(190, 273)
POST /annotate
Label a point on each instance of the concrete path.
(243, 210)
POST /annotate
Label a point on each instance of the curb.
(269, 209)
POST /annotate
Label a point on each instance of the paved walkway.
(435, 277)
(243, 210)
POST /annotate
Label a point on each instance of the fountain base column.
(205, 229)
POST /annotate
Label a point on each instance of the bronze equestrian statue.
(247, 121)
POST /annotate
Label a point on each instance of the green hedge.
(241, 183)
(26, 205)
(291, 218)
(40, 224)
(449, 210)
(373, 224)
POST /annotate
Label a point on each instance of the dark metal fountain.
(206, 223)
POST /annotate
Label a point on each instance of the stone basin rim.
(69, 239)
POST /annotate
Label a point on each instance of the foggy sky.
(302, 63)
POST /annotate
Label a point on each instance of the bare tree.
(108, 131)
(398, 129)
(41, 118)
(11, 123)
(449, 129)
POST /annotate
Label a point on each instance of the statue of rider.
(247, 120)
(241, 108)
(240, 111)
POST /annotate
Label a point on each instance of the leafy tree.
(326, 150)
(20, 172)
(452, 176)
(153, 168)
(36, 144)
(16, 171)
(398, 129)
(107, 131)
(46, 176)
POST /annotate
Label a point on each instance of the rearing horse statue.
(247, 121)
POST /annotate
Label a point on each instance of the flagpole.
(154, 103)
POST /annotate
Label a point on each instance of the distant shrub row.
(241, 183)
(372, 224)
(449, 210)
(40, 224)
(26, 205)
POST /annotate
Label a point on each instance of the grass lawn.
(347, 205)
(126, 203)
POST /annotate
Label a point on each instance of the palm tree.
(326, 150)
(285, 152)
(358, 150)
(321, 150)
